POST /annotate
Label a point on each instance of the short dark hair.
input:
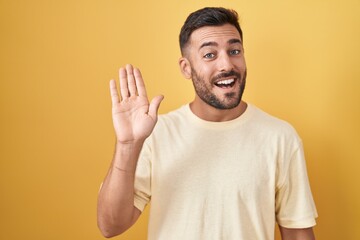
(209, 16)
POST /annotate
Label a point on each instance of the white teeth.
(226, 81)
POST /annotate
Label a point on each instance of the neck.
(209, 113)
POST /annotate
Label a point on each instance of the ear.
(185, 67)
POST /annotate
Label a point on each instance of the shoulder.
(169, 122)
(173, 117)
(265, 119)
(271, 125)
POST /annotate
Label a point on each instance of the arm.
(134, 119)
(297, 234)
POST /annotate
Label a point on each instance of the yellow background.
(56, 136)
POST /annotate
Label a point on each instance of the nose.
(225, 63)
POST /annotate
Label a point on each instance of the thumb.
(154, 106)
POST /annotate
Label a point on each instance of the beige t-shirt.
(223, 180)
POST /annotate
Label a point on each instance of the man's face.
(218, 68)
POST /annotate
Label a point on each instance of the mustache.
(227, 74)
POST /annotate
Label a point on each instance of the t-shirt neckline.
(219, 125)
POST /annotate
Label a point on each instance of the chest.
(219, 163)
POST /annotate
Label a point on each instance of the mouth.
(225, 83)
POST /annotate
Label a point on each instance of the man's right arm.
(134, 119)
(116, 211)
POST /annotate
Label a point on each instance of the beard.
(230, 100)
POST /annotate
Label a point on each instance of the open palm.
(134, 118)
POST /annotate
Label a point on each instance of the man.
(217, 168)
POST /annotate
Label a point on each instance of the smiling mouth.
(226, 83)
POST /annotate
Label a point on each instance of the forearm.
(297, 234)
(134, 119)
(116, 196)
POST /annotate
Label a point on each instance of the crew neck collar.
(219, 125)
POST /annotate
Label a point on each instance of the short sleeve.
(294, 204)
(142, 184)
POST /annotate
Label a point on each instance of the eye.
(209, 55)
(235, 52)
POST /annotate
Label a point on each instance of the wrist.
(130, 144)
(126, 155)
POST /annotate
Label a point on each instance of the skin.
(134, 118)
(215, 53)
(297, 234)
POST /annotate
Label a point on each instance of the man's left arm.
(297, 234)
(295, 207)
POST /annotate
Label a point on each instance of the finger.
(113, 92)
(123, 83)
(154, 106)
(131, 80)
(139, 83)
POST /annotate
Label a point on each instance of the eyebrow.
(207, 44)
(234, 40)
(231, 41)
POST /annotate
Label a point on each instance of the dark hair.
(209, 16)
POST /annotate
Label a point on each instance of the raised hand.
(134, 118)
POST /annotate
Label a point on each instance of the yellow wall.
(56, 136)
